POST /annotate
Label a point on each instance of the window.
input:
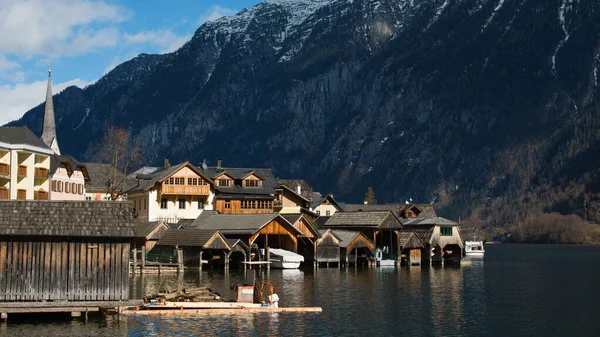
(224, 182)
(181, 203)
(192, 181)
(200, 204)
(73, 188)
(327, 213)
(60, 186)
(67, 188)
(227, 204)
(88, 198)
(53, 187)
(252, 183)
(318, 212)
(163, 203)
(80, 189)
(180, 181)
(145, 203)
(446, 231)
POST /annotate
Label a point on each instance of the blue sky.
(81, 40)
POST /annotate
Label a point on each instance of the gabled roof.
(427, 210)
(66, 218)
(348, 236)
(437, 221)
(145, 229)
(297, 217)
(410, 240)
(99, 173)
(159, 176)
(292, 184)
(22, 137)
(424, 234)
(236, 223)
(233, 243)
(69, 163)
(324, 232)
(322, 220)
(269, 183)
(251, 173)
(329, 197)
(294, 193)
(206, 239)
(375, 219)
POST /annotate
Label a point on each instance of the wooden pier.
(216, 311)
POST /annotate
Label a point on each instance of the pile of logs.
(185, 295)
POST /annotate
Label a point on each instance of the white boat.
(474, 248)
(284, 259)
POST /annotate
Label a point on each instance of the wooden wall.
(237, 209)
(39, 269)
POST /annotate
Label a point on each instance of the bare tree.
(370, 196)
(120, 152)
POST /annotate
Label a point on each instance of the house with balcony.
(242, 190)
(24, 165)
(172, 193)
(68, 178)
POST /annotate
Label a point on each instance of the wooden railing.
(4, 169)
(40, 195)
(186, 189)
(41, 172)
(21, 194)
(3, 193)
(22, 171)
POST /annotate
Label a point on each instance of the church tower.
(49, 129)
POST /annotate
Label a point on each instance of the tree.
(120, 153)
(370, 196)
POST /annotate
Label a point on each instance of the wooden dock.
(216, 311)
(64, 306)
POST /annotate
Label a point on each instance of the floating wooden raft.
(209, 308)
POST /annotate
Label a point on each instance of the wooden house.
(65, 251)
(382, 226)
(242, 190)
(441, 236)
(195, 246)
(343, 247)
(306, 241)
(172, 193)
(288, 200)
(412, 247)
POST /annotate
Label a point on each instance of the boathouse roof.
(377, 219)
(66, 218)
(150, 230)
(237, 223)
(410, 240)
(209, 239)
(436, 221)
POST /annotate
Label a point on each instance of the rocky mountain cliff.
(487, 107)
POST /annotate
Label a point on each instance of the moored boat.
(284, 259)
(474, 248)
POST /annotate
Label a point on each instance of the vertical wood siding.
(63, 270)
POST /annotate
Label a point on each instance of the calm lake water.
(516, 290)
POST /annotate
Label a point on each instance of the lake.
(515, 290)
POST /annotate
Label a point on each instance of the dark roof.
(143, 229)
(239, 243)
(322, 220)
(306, 191)
(152, 179)
(20, 135)
(318, 202)
(377, 219)
(347, 236)
(423, 233)
(292, 218)
(269, 183)
(66, 218)
(188, 237)
(99, 173)
(235, 223)
(410, 240)
(68, 162)
(426, 222)
(427, 210)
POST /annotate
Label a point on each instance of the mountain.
(488, 108)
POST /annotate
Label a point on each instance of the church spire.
(49, 128)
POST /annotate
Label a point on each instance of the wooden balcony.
(185, 190)
(21, 194)
(3, 193)
(41, 173)
(22, 171)
(40, 195)
(4, 170)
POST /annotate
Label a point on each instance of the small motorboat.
(474, 248)
(284, 259)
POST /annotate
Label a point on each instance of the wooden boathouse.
(441, 237)
(343, 248)
(195, 246)
(64, 255)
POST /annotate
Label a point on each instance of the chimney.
(299, 189)
(366, 202)
(166, 163)
(219, 162)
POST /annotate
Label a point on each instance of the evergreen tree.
(370, 196)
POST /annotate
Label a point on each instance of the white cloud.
(215, 12)
(57, 27)
(6, 64)
(17, 99)
(165, 39)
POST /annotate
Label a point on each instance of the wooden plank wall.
(63, 270)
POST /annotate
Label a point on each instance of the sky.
(81, 40)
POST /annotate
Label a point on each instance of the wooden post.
(179, 260)
(134, 258)
(200, 266)
(226, 255)
(143, 258)
(346, 261)
(267, 254)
